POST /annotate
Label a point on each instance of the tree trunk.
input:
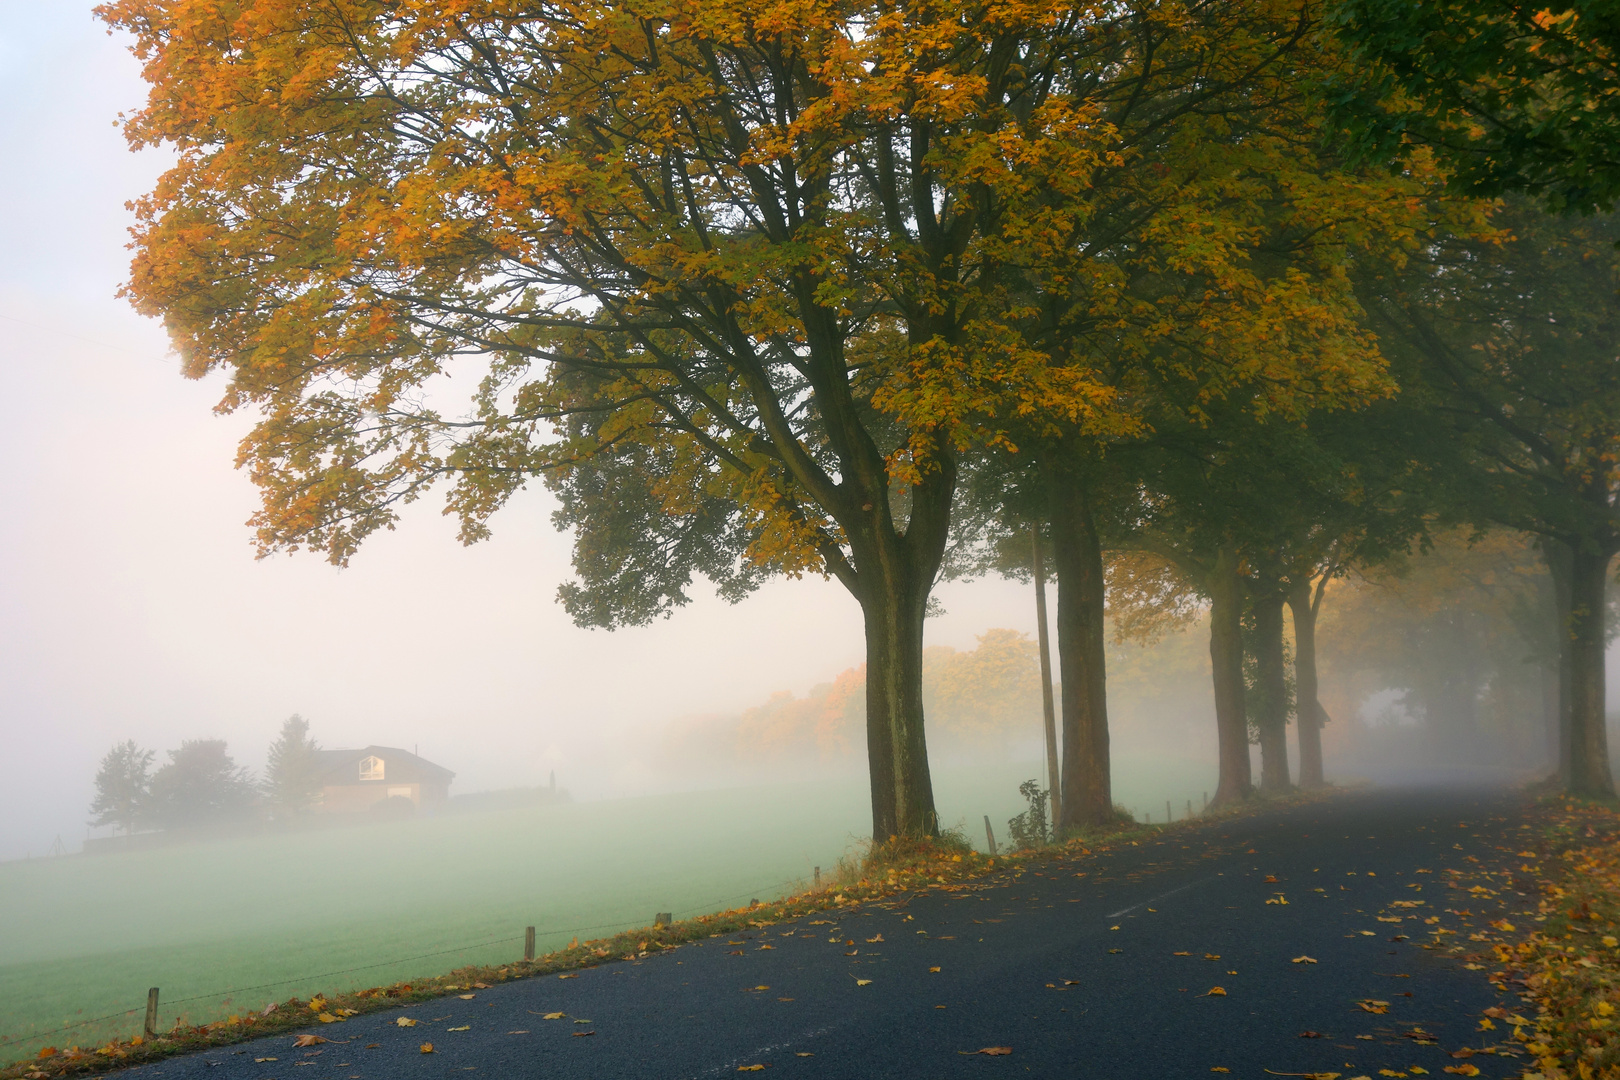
(1088, 794)
(1048, 713)
(1589, 739)
(1271, 687)
(1305, 688)
(1560, 567)
(896, 750)
(1226, 663)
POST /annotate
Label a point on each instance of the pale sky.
(131, 605)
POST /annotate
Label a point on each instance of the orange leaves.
(308, 1040)
(1371, 1006)
(1216, 991)
(426, 1048)
(988, 1051)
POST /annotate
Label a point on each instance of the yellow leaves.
(750, 1068)
(328, 1018)
(1302, 960)
(568, 975)
(1603, 1008)
(426, 1048)
(308, 1040)
(933, 971)
(1462, 1070)
(1371, 1006)
(553, 1016)
(466, 997)
(406, 1021)
(1216, 991)
(1278, 899)
(863, 982)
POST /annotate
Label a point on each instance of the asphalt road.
(1098, 966)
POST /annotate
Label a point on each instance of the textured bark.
(897, 752)
(1589, 738)
(1271, 692)
(1310, 711)
(1088, 793)
(1226, 663)
(1048, 712)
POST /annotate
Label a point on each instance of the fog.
(133, 606)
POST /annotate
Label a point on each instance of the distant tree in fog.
(291, 781)
(122, 786)
(200, 784)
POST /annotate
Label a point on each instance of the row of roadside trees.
(1234, 296)
(201, 785)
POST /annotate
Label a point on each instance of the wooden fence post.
(528, 943)
(818, 877)
(989, 834)
(150, 1029)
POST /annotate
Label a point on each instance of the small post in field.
(989, 834)
(151, 1013)
(528, 943)
(664, 918)
(1206, 802)
(1189, 808)
(1168, 816)
(818, 877)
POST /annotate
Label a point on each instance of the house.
(357, 780)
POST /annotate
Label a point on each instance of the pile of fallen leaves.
(1568, 963)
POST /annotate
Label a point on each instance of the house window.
(371, 768)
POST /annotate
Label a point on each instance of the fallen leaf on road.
(1219, 1068)
(553, 1016)
(426, 1048)
(1504, 926)
(463, 1027)
(1215, 991)
(735, 952)
(1365, 1038)
(802, 1053)
(988, 1051)
(466, 997)
(518, 1032)
(1367, 933)
(874, 940)
(405, 1021)
(1303, 960)
(750, 1068)
(1462, 1070)
(863, 982)
(1310, 1075)
(820, 922)
(568, 976)
(1465, 1052)
(1212, 956)
(933, 971)
(264, 1059)
(1113, 928)
(582, 1034)
(1271, 879)
(767, 946)
(1181, 954)
(308, 1040)
(758, 988)
(1312, 1035)
(584, 1021)
(1279, 899)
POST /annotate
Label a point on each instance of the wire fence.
(216, 995)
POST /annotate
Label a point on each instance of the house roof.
(399, 766)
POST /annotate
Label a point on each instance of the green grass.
(226, 926)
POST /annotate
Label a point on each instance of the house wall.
(350, 798)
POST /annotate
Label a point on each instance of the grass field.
(226, 926)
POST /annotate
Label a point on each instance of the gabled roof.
(399, 766)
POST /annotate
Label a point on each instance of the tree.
(200, 785)
(1515, 334)
(693, 243)
(122, 786)
(1514, 97)
(291, 780)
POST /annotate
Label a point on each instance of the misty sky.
(131, 605)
